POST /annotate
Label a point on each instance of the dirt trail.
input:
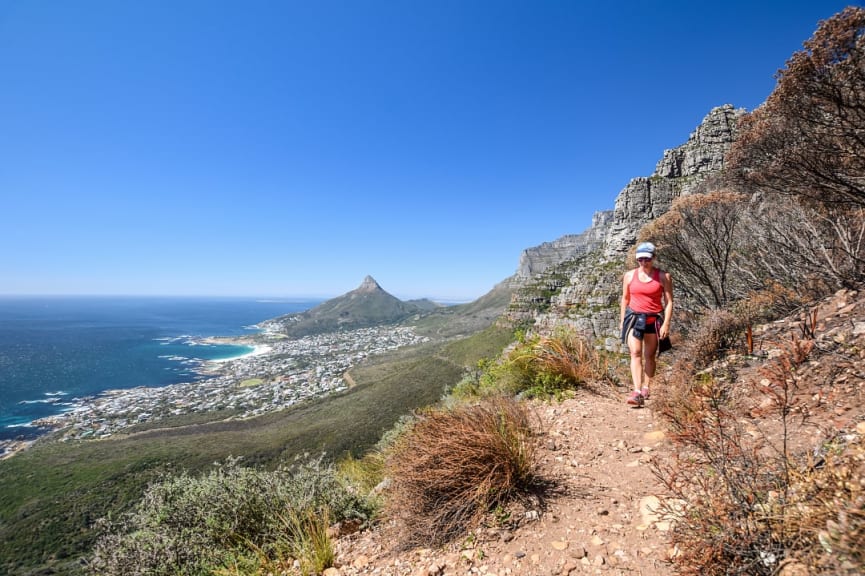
(597, 519)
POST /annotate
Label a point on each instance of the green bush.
(491, 378)
(187, 525)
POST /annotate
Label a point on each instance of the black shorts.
(641, 326)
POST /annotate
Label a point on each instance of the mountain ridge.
(365, 306)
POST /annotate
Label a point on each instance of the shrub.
(455, 465)
(829, 510)
(700, 239)
(487, 378)
(718, 332)
(192, 525)
(724, 476)
(542, 367)
(752, 505)
(805, 141)
(364, 473)
(752, 510)
(805, 144)
(772, 301)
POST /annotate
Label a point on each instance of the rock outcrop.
(705, 149)
(368, 286)
(536, 260)
(678, 173)
(595, 260)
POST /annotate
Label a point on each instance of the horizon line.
(258, 297)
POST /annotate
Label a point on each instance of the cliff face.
(534, 261)
(595, 260)
(678, 173)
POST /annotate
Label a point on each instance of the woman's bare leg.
(635, 346)
(650, 352)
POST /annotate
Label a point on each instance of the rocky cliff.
(678, 173)
(574, 281)
(534, 261)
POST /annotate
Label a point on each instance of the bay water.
(56, 349)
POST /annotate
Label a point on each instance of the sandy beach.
(257, 350)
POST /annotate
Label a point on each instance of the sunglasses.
(644, 259)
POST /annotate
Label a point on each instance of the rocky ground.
(599, 517)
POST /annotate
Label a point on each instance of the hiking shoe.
(635, 398)
(645, 393)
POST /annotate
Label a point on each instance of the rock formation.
(536, 260)
(595, 260)
(678, 173)
(369, 285)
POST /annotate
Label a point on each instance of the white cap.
(646, 250)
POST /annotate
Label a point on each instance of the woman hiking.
(646, 311)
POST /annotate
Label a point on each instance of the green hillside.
(51, 494)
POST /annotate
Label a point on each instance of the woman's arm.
(668, 305)
(626, 296)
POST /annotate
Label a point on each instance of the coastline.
(119, 349)
(258, 349)
(275, 374)
(202, 367)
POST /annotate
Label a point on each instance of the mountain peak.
(368, 285)
(365, 306)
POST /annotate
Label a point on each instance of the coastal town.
(278, 373)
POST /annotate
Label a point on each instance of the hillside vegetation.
(52, 494)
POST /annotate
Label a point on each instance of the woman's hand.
(664, 331)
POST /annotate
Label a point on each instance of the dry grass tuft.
(309, 541)
(456, 465)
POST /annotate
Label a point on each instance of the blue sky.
(287, 148)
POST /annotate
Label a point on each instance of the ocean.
(56, 349)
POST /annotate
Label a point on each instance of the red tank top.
(646, 296)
